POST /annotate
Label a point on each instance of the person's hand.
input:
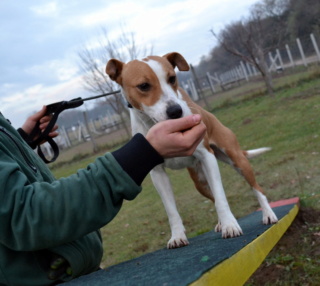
(59, 266)
(43, 119)
(177, 137)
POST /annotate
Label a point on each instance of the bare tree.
(253, 38)
(93, 62)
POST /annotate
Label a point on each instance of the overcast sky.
(40, 41)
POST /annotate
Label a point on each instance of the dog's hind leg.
(242, 165)
(162, 183)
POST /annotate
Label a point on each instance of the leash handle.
(55, 109)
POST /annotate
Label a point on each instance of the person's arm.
(42, 214)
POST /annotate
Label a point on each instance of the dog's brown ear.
(176, 60)
(114, 69)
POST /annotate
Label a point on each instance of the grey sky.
(40, 40)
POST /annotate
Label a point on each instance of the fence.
(298, 53)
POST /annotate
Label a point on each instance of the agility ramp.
(208, 260)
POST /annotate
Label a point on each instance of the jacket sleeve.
(41, 215)
(84, 255)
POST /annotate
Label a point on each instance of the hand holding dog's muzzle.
(177, 137)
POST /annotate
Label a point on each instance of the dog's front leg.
(162, 183)
(227, 223)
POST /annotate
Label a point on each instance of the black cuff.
(26, 137)
(137, 158)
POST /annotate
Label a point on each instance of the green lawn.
(288, 122)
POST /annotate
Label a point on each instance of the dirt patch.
(295, 260)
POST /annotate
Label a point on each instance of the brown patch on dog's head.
(142, 81)
(138, 81)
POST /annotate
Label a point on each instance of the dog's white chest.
(179, 162)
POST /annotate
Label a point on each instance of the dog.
(151, 89)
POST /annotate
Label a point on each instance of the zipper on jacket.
(3, 130)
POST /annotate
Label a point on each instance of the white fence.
(304, 53)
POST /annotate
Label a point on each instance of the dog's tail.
(256, 152)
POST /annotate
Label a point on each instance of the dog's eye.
(144, 86)
(172, 79)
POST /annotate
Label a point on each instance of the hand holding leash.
(42, 120)
(177, 137)
(41, 127)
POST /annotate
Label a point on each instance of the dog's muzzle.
(174, 111)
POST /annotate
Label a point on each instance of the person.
(50, 228)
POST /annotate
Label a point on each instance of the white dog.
(151, 89)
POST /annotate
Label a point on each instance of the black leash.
(55, 109)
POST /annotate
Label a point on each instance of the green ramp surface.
(186, 265)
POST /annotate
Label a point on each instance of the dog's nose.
(174, 111)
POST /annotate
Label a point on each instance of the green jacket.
(40, 215)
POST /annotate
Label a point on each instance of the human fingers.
(182, 124)
(58, 267)
(175, 139)
(186, 142)
(40, 114)
(53, 134)
(192, 137)
(195, 134)
(45, 119)
(44, 125)
(32, 120)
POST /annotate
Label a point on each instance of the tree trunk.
(266, 74)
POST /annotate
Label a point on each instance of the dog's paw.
(218, 227)
(269, 218)
(176, 242)
(230, 229)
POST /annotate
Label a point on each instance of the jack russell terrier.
(151, 89)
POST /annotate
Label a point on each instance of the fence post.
(314, 42)
(94, 145)
(193, 90)
(65, 135)
(202, 96)
(280, 59)
(290, 55)
(244, 70)
(272, 61)
(301, 52)
(250, 73)
(80, 132)
(211, 83)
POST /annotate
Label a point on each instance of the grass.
(287, 122)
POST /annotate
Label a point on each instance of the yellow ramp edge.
(237, 269)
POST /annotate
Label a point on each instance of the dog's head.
(150, 85)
